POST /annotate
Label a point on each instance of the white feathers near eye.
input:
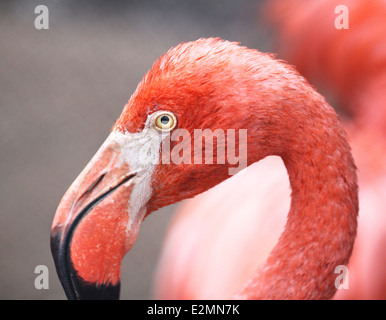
(164, 121)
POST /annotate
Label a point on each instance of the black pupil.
(165, 120)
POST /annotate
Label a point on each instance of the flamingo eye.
(165, 121)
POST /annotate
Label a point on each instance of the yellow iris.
(165, 121)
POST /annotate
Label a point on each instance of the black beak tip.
(56, 235)
(91, 291)
(74, 286)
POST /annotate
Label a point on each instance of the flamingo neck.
(321, 224)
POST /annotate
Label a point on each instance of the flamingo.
(214, 84)
(352, 63)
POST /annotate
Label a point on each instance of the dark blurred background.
(61, 90)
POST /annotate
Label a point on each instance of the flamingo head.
(206, 84)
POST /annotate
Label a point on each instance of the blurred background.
(62, 89)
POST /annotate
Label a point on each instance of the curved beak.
(96, 224)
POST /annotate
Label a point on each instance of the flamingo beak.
(96, 224)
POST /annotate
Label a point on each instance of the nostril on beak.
(93, 186)
(95, 183)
